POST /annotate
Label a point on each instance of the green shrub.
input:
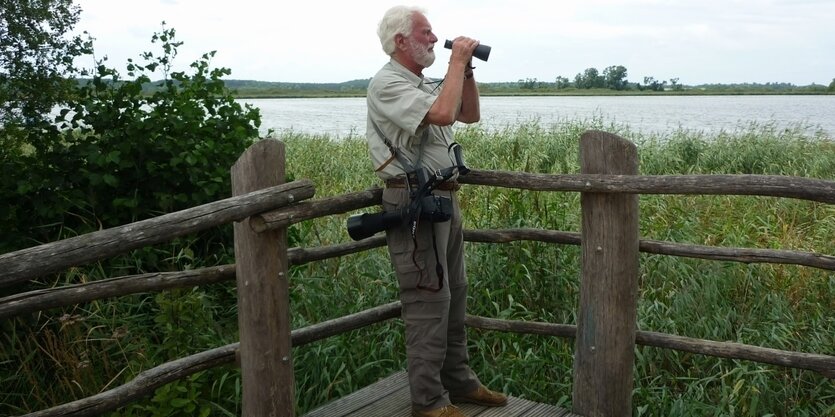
(117, 153)
(125, 154)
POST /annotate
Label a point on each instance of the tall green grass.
(786, 307)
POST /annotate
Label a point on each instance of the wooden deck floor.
(390, 398)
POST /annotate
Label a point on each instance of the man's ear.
(399, 41)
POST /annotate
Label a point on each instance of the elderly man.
(409, 127)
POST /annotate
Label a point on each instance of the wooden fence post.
(263, 293)
(606, 323)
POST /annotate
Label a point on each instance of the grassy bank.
(786, 307)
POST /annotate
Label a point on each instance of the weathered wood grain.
(822, 364)
(146, 382)
(738, 184)
(316, 208)
(46, 298)
(263, 293)
(607, 316)
(56, 256)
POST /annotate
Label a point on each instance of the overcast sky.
(696, 41)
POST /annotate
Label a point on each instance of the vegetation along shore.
(88, 347)
(356, 88)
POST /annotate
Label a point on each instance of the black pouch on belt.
(435, 209)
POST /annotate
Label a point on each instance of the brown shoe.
(446, 411)
(481, 396)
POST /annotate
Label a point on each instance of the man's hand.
(462, 51)
(457, 103)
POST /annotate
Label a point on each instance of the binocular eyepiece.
(481, 51)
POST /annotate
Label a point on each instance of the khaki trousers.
(436, 339)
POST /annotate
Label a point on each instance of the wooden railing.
(263, 208)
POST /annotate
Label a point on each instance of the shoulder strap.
(407, 165)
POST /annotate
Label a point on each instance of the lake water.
(340, 117)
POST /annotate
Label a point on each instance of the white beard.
(421, 54)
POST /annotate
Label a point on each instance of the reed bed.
(91, 347)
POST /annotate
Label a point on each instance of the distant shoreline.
(250, 89)
(332, 94)
(632, 94)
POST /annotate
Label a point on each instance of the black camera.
(423, 204)
(481, 51)
(432, 208)
(361, 226)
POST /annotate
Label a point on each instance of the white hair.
(397, 20)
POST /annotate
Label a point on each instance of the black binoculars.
(481, 51)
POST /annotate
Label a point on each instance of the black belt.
(444, 186)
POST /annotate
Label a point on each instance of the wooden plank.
(515, 407)
(545, 410)
(472, 409)
(395, 404)
(363, 397)
(389, 397)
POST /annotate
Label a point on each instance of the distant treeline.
(529, 86)
(249, 88)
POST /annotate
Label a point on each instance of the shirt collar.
(415, 79)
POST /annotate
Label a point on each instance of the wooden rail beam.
(822, 364)
(46, 298)
(316, 208)
(744, 255)
(148, 381)
(54, 257)
(758, 185)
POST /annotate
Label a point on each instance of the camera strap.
(404, 162)
(439, 269)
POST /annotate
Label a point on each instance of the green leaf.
(110, 180)
(180, 402)
(24, 187)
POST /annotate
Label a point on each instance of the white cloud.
(332, 41)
